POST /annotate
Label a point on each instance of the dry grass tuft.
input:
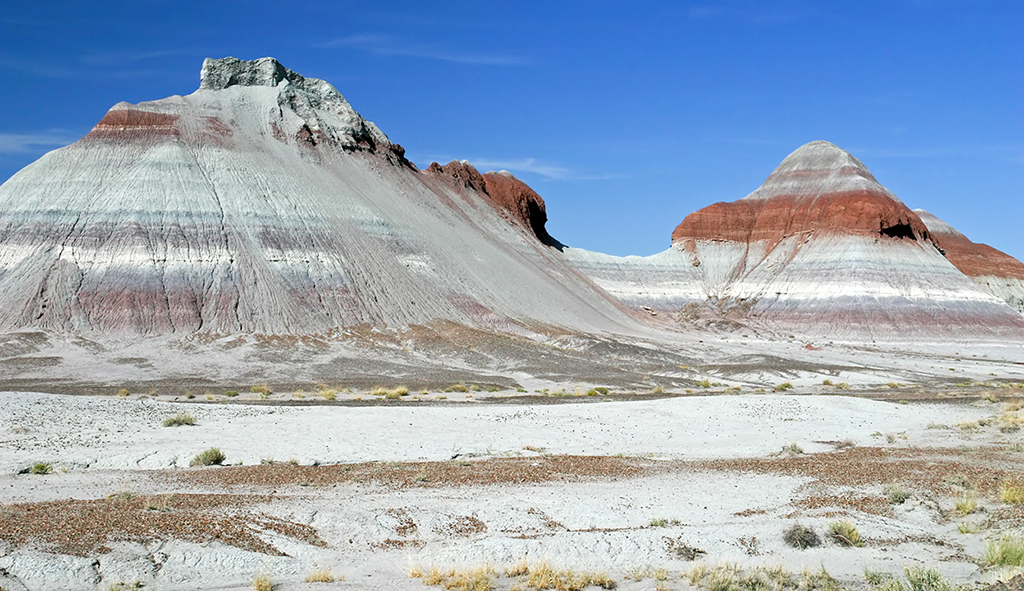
(801, 536)
(180, 419)
(210, 457)
(476, 579)
(1006, 551)
(845, 534)
(262, 582)
(321, 576)
(966, 503)
(542, 576)
(1011, 490)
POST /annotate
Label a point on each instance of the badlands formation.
(409, 376)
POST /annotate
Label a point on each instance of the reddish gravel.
(423, 474)
(937, 470)
(84, 527)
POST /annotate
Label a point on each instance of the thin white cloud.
(524, 165)
(389, 45)
(27, 143)
(118, 58)
(753, 12)
(550, 171)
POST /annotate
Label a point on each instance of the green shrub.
(845, 534)
(920, 579)
(41, 468)
(966, 503)
(896, 494)
(1011, 491)
(801, 536)
(1006, 551)
(792, 449)
(783, 387)
(210, 457)
(456, 388)
(231, 393)
(182, 418)
(262, 390)
(262, 582)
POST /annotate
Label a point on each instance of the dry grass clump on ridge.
(210, 457)
(966, 503)
(918, 579)
(1006, 551)
(321, 576)
(475, 579)
(731, 577)
(538, 577)
(262, 582)
(845, 533)
(1011, 490)
(801, 536)
(179, 420)
(41, 468)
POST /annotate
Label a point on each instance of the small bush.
(230, 393)
(123, 392)
(792, 450)
(826, 382)
(457, 388)
(392, 395)
(180, 419)
(966, 503)
(478, 579)
(920, 579)
(320, 576)
(783, 387)
(896, 494)
(1011, 491)
(41, 468)
(657, 390)
(262, 390)
(210, 457)
(1006, 551)
(845, 534)
(801, 536)
(402, 391)
(262, 582)
(329, 394)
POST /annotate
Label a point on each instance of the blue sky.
(625, 116)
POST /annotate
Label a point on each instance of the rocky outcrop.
(264, 203)
(526, 206)
(995, 271)
(821, 248)
(505, 192)
(819, 189)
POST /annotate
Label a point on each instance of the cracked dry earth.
(640, 518)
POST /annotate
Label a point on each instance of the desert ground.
(461, 486)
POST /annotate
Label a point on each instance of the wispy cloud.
(26, 143)
(758, 13)
(524, 165)
(117, 58)
(390, 45)
(547, 170)
(68, 71)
